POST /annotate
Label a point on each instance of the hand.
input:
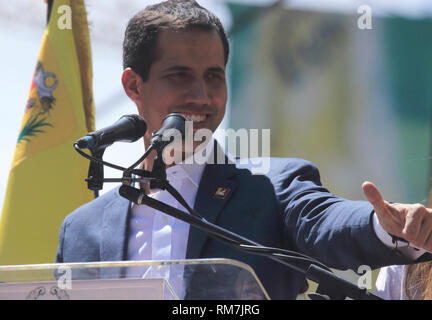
(412, 222)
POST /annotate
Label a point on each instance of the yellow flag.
(46, 181)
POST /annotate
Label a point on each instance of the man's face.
(187, 77)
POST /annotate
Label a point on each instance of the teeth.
(195, 117)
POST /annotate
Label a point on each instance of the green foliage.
(32, 127)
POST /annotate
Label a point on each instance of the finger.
(373, 196)
(411, 230)
(428, 243)
(424, 235)
(425, 228)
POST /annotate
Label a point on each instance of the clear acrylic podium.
(202, 279)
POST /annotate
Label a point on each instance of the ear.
(132, 84)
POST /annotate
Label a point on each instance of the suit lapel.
(114, 232)
(208, 204)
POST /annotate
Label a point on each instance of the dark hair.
(142, 30)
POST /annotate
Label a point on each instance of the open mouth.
(196, 118)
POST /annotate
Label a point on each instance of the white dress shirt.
(157, 236)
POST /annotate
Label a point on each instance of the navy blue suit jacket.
(287, 208)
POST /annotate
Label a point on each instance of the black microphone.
(129, 128)
(171, 123)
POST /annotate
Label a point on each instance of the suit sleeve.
(337, 231)
(59, 255)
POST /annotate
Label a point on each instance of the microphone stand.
(96, 171)
(330, 286)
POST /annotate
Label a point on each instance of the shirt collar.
(189, 169)
(193, 172)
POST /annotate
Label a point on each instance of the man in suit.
(175, 54)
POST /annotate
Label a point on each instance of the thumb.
(373, 195)
(387, 213)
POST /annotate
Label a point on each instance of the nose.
(198, 93)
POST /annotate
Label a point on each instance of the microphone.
(171, 123)
(129, 128)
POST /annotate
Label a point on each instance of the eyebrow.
(185, 68)
(176, 68)
(216, 69)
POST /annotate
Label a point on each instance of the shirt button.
(164, 220)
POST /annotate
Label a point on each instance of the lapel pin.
(221, 193)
